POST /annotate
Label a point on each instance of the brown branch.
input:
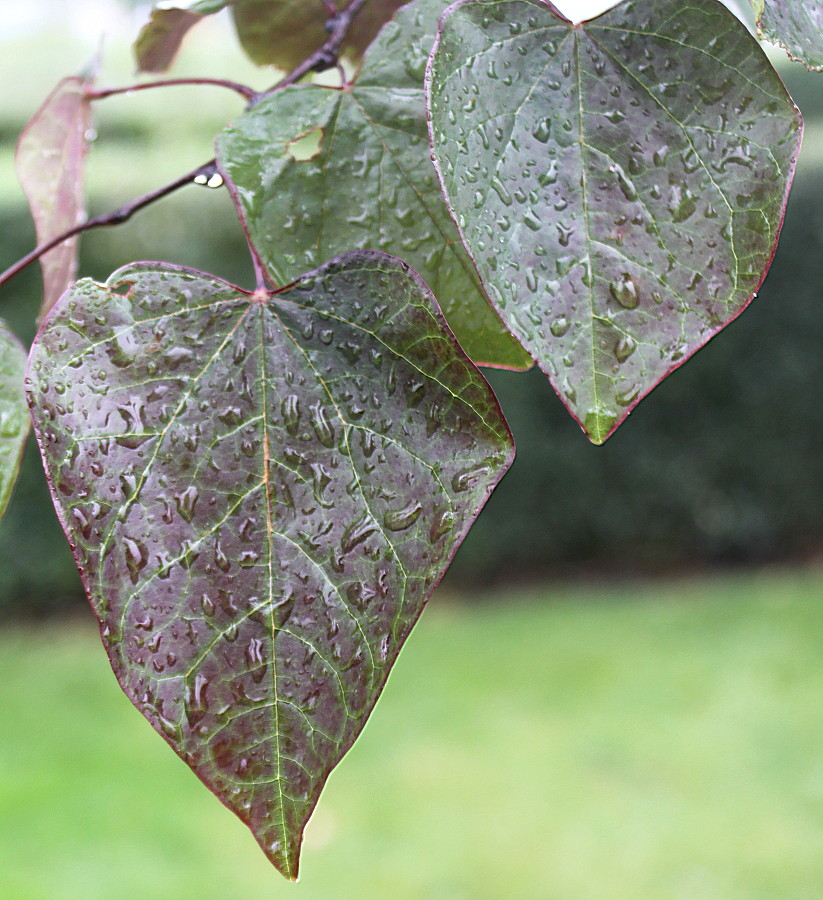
(200, 175)
(326, 57)
(103, 93)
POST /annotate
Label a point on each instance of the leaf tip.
(599, 426)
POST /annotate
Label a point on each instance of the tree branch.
(242, 89)
(326, 57)
(200, 175)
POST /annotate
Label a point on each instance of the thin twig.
(326, 57)
(118, 217)
(242, 89)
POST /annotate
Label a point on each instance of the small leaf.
(51, 156)
(620, 184)
(367, 183)
(261, 492)
(160, 38)
(14, 418)
(796, 26)
(283, 33)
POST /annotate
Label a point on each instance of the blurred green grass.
(643, 742)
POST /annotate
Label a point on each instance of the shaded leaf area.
(621, 184)
(51, 156)
(261, 492)
(279, 33)
(365, 182)
(283, 33)
(797, 26)
(14, 417)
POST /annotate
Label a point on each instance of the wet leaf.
(367, 182)
(261, 492)
(283, 33)
(51, 156)
(620, 184)
(14, 417)
(797, 26)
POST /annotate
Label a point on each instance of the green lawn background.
(651, 742)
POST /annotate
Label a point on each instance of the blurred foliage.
(720, 464)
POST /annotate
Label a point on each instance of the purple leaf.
(796, 25)
(51, 156)
(160, 38)
(261, 491)
(620, 184)
(316, 171)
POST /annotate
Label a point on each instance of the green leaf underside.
(794, 25)
(620, 184)
(370, 185)
(283, 33)
(50, 163)
(261, 497)
(279, 33)
(14, 417)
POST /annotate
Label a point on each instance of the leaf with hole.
(261, 491)
(50, 161)
(317, 171)
(14, 417)
(620, 184)
(794, 25)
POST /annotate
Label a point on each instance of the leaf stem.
(103, 93)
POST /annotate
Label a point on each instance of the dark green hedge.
(722, 463)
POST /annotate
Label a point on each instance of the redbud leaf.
(620, 184)
(50, 161)
(261, 492)
(283, 33)
(794, 25)
(317, 171)
(160, 38)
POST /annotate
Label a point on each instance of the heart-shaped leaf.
(797, 25)
(317, 171)
(620, 184)
(14, 417)
(51, 157)
(160, 38)
(261, 492)
(283, 33)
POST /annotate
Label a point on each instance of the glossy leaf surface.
(368, 182)
(51, 156)
(620, 184)
(261, 492)
(14, 416)
(797, 25)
